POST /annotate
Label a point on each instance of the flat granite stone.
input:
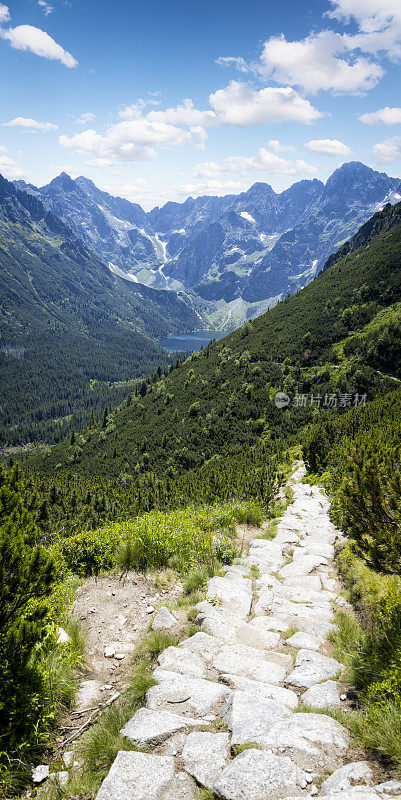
(180, 660)
(345, 778)
(256, 775)
(163, 620)
(148, 727)
(205, 755)
(246, 661)
(258, 638)
(203, 645)
(233, 595)
(217, 622)
(312, 668)
(250, 716)
(313, 741)
(322, 695)
(270, 623)
(392, 788)
(185, 695)
(137, 775)
(285, 697)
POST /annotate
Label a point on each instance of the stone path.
(227, 714)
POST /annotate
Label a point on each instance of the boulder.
(250, 716)
(205, 755)
(313, 741)
(256, 775)
(163, 620)
(312, 668)
(322, 695)
(345, 778)
(285, 697)
(247, 661)
(177, 659)
(148, 727)
(138, 775)
(186, 695)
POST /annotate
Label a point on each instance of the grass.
(239, 748)
(290, 632)
(195, 580)
(153, 644)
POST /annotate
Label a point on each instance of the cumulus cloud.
(233, 61)
(240, 104)
(8, 166)
(26, 37)
(83, 119)
(277, 147)
(4, 14)
(264, 161)
(30, 124)
(389, 151)
(384, 116)
(338, 62)
(132, 140)
(184, 114)
(319, 62)
(328, 147)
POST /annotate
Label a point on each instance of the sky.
(158, 101)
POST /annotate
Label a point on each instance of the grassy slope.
(221, 399)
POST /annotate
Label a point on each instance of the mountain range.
(231, 257)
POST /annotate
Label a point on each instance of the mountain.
(230, 257)
(67, 324)
(332, 336)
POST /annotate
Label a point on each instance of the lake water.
(193, 340)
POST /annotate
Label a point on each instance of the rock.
(256, 775)
(88, 694)
(250, 716)
(68, 758)
(322, 695)
(177, 659)
(137, 775)
(246, 661)
(344, 778)
(163, 620)
(119, 656)
(203, 645)
(60, 778)
(150, 609)
(303, 640)
(392, 788)
(182, 787)
(313, 741)
(109, 651)
(205, 755)
(217, 622)
(312, 668)
(269, 623)
(357, 793)
(285, 697)
(149, 727)
(233, 595)
(302, 566)
(257, 637)
(62, 636)
(40, 773)
(196, 696)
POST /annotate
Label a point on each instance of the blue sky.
(158, 101)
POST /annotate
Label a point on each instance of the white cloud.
(46, 7)
(4, 14)
(320, 62)
(388, 151)
(264, 161)
(328, 147)
(31, 124)
(84, 118)
(384, 116)
(26, 37)
(132, 140)
(233, 61)
(8, 167)
(184, 114)
(277, 147)
(372, 15)
(240, 104)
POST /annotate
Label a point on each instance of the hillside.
(67, 321)
(222, 399)
(234, 256)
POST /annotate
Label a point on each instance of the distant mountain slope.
(222, 399)
(66, 320)
(233, 252)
